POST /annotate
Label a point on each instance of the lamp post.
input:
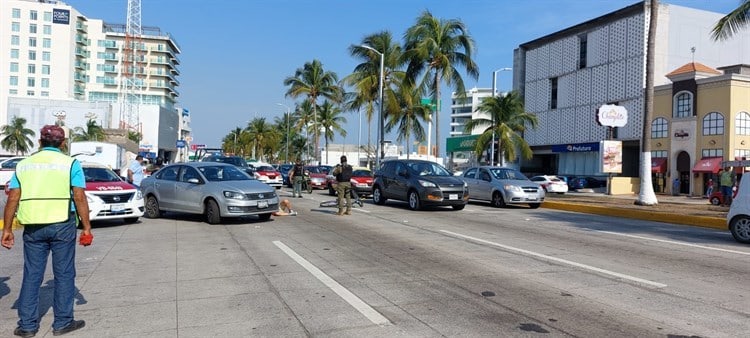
(234, 145)
(287, 129)
(494, 85)
(380, 113)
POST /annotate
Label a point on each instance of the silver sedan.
(502, 186)
(216, 190)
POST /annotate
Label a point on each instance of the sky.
(235, 54)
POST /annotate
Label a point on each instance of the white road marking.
(354, 301)
(362, 210)
(560, 260)
(676, 243)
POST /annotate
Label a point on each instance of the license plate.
(262, 204)
(117, 207)
(453, 196)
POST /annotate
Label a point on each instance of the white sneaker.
(293, 213)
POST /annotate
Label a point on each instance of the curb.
(646, 215)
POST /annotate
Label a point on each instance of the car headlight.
(510, 187)
(138, 195)
(234, 195)
(428, 184)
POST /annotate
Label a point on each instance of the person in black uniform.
(343, 174)
(296, 175)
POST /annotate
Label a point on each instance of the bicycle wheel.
(329, 204)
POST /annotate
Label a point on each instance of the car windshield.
(325, 169)
(428, 169)
(362, 173)
(508, 174)
(265, 168)
(100, 175)
(314, 170)
(238, 161)
(223, 173)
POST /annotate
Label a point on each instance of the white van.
(738, 218)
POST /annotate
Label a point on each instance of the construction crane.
(132, 68)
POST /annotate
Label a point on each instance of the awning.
(708, 165)
(659, 165)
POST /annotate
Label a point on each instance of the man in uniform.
(343, 173)
(47, 197)
(296, 175)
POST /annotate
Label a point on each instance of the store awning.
(659, 165)
(708, 165)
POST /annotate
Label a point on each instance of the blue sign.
(575, 148)
(181, 144)
(61, 16)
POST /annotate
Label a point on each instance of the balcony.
(81, 27)
(80, 77)
(79, 89)
(109, 44)
(80, 65)
(80, 52)
(81, 39)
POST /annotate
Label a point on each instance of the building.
(460, 143)
(56, 54)
(566, 76)
(700, 119)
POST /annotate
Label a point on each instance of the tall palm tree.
(284, 125)
(92, 132)
(16, 137)
(304, 116)
(298, 145)
(510, 120)
(646, 196)
(232, 141)
(410, 116)
(331, 122)
(312, 81)
(260, 133)
(733, 22)
(434, 47)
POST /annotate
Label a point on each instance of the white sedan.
(109, 196)
(551, 183)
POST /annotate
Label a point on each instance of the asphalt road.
(388, 271)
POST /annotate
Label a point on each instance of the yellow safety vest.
(44, 179)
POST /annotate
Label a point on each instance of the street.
(389, 271)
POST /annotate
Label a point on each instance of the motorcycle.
(306, 184)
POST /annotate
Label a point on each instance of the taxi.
(109, 196)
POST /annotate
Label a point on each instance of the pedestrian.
(726, 181)
(343, 173)
(296, 175)
(710, 188)
(285, 209)
(40, 198)
(135, 172)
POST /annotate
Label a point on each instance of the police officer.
(343, 173)
(296, 175)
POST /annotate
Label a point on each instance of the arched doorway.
(683, 170)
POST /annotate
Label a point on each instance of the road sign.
(430, 102)
(181, 144)
(197, 146)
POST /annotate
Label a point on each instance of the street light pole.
(494, 85)
(287, 130)
(380, 113)
(234, 145)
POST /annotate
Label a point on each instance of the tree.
(304, 116)
(312, 81)
(284, 125)
(260, 133)
(435, 47)
(232, 141)
(410, 116)
(16, 137)
(135, 136)
(510, 120)
(733, 22)
(331, 122)
(646, 195)
(92, 132)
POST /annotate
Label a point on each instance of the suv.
(237, 161)
(420, 183)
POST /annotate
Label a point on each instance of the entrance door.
(683, 167)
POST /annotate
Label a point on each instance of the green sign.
(461, 143)
(430, 102)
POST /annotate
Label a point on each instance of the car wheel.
(264, 217)
(213, 214)
(535, 205)
(715, 200)
(459, 207)
(377, 196)
(740, 228)
(414, 202)
(130, 220)
(497, 200)
(152, 208)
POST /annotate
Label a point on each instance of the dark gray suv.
(420, 183)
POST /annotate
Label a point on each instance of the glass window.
(712, 153)
(16, 14)
(15, 27)
(683, 105)
(15, 40)
(32, 55)
(46, 56)
(14, 81)
(48, 16)
(742, 153)
(658, 154)
(45, 94)
(14, 67)
(188, 173)
(45, 82)
(14, 53)
(168, 173)
(659, 128)
(742, 123)
(713, 124)
(45, 69)
(46, 43)
(471, 173)
(13, 91)
(47, 29)
(32, 41)
(32, 28)
(30, 92)
(33, 15)
(32, 68)
(31, 82)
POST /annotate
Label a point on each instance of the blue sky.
(236, 53)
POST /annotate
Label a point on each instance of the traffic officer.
(343, 174)
(296, 176)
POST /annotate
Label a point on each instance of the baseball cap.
(343, 158)
(52, 133)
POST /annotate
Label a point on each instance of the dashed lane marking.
(675, 242)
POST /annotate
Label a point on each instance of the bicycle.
(335, 203)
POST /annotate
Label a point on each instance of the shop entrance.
(683, 172)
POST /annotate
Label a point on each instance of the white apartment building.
(53, 53)
(566, 76)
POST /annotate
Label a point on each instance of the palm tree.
(92, 132)
(312, 81)
(260, 133)
(304, 115)
(435, 47)
(16, 137)
(510, 120)
(298, 145)
(646, 196)
(284, 126)
(231, 141)
(733, 22)
(408, 119)
(331, 121)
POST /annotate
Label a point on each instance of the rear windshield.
(100, 175)
(362, 173)
(265, 168)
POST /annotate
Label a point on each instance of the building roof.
(693, 67)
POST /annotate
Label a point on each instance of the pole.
(492, 143)
(381, 128)
(234, 145)
(359, 136)
(287, 130)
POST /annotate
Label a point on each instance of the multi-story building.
(566, 76)
(460, 143)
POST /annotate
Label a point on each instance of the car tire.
(497, 200)
(130, 220)
(535, 205)
(152, 208)
(264, 217)
(377, 196)
(459, 207)
(715, 200)
(740, 228)
(213, 213)
(413, 199)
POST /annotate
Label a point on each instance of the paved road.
(388, 271)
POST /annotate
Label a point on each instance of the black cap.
(343, 158)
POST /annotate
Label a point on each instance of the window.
(14, 53)
(46, 43)
(45, 69)
(712, 153)
(743, 123)
(742, 153)
(33, 15)
(32, 41)
(45, 82)
(45, 94)
(553, 93)
(32, 28)
(31, 82)
(15, 27)
(13, 81)
(32, 68)
(15, 40)
(14, 67)
(659, 128)
(47, 29)
(683, 105)
(13, 91)
(30, 92)
(16, 14)
(471, 173)
(47, 16)
(713, 124)
(582, 50)
(32, 55)
(658, 154)
(46, 56)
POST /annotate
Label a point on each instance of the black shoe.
(74, 325)
(23, 333)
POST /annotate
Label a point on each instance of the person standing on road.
(135, 172)
(296, 175)
(343, 173)
(710, 188)
(40, 198)
(726, 180)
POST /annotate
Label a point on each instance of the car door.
(189, 196)
(165, 187)
(470, 178)
(484, 185)
(400, 182)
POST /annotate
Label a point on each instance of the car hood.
(444, 181)
(108, 186)
(247, 186)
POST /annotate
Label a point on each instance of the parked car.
(420, 183)
(586, 183)
(268, 175)
(551, 183)
(361, 182)
(738, 217)
(502, 186)
(216, 190)
(717, 198)
(318, 176)
(284, 170)
(234, 160)
(8, 167)
(109, 196)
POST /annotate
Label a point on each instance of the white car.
(738, 218)
(8, 168)
(269, 175)
(109, 196)
(551, 183)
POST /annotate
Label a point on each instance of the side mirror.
(194, 180)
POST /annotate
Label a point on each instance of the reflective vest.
(44, 179)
